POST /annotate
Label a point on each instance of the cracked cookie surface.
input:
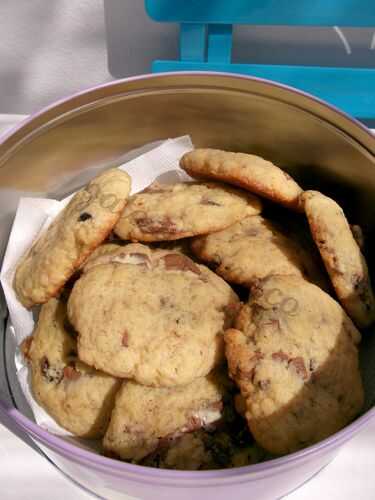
(151, 315)
(294, 356)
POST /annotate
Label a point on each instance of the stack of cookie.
(136, 336)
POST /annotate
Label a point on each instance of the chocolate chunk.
(299, 365)
(125, 339)
(141, 259)
(280, 356)
(44, 365)
(179, 262)
(50, 373)
(134, 258)
(84, 216)
(71, 373)
(164, 225)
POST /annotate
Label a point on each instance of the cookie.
(81, 226)
(228, 443)
(145, 418)
(294, 356)
(151, 315)
(244, 170)
(341, 255)
(253, 249)
(174, 211)
(78, 397)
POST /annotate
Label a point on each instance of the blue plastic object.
(206, 43)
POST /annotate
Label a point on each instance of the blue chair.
(206, 43)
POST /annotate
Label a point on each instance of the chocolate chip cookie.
(81, 226)
(146, 418)
(253, 249)
(78, 397)
(151, 315)
(244, 170)
(293, 354)
(341, 255)
(174, 211)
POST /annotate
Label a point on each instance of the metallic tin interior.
(321, 147)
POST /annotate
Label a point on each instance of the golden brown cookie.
(78, 397)
(81, 226)
(293, 354)
(244, 170)
(341, 255)
(151, 315)
(146, 417)
(253, 249)
(174, 211)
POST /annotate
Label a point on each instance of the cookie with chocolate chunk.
(81, 226)
(341, 255)
(244, 170)
(255, 248)
(154, 316)
(146, 418)
(293, 353)
(78, 397)
(224, 444)
(174, 211)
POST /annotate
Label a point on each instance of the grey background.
(50, 49)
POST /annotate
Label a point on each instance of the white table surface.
(24, 474)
